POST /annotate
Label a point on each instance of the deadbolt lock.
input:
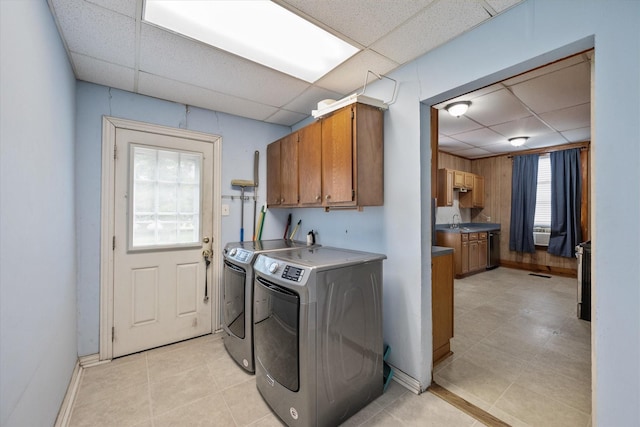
(205, 240)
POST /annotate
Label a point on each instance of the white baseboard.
(64, 414)
(91, 360)
(407, 381)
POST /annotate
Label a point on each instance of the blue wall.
(240, 138)
(38, 348)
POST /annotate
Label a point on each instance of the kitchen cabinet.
(475, 197)
(445, 187)
(442, 305)
(352, 157)
(310, 164)
(469, 250)
(339, 162)
(471, 186)
(282, 177)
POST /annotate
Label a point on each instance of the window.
(543, 194)
(166, 198)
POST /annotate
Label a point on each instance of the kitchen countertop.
(469, 227)
(437, 251)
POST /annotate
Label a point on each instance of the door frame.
(107, 219)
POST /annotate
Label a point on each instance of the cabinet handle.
(318, 197)
(328, 196)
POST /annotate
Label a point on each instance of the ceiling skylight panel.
(258, 30)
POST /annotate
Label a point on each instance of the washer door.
(276, 331)
(234, 299)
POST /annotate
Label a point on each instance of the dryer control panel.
(293, 273)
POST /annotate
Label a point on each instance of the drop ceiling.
(109, 44)
(551, 105)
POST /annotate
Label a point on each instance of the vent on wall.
(541, 236)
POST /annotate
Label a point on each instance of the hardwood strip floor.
(466, 407)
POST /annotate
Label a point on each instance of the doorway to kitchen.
(496, 311)
(160, 190)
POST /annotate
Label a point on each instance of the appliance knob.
(233, 251)
(273, 267)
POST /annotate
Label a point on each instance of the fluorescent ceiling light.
(258, 30)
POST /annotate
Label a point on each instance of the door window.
(165, 202)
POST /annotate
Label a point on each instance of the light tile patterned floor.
(520, 352)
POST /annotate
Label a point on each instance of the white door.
(163, 231)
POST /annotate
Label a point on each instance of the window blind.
(543, 193)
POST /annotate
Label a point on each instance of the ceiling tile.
(91, 30)
(569, 118)
(578, 135)
(451, 145)
(480, 137)
(553, 91)
(351, 74)
(359, 20)
(449, 125)
(308, 100)
(181, 59)
(474, 153)
(529, 126)
(104, 73)
(496, 107)
(502, 5)
(550, 68)
(125, 7)
(438, 23)
(284, 117)
(546, 140)
(471, 95)
(171, 90)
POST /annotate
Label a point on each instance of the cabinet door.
(478, 191)
(458, 179)
(474, 260)
(337, 158)
(310, 163)
(464, 257)
(289, 170)
(273, 174)
(482, 254)
(445, 187)
(442, 304)
(468, 180)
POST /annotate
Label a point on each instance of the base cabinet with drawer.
(470, 250)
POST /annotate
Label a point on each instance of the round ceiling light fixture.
(518, 140)
(457, 109)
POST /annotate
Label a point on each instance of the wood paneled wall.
(497, 186)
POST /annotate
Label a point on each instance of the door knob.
(206, 240)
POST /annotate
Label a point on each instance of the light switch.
(225, 210)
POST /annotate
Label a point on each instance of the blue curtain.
(566, 183)
(524, 183)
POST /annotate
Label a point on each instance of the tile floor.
(520, 352)
(196, 383)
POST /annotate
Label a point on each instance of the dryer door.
(234, 299)
(276, 332)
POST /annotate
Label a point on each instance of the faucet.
(453, 221)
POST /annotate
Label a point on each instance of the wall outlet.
(225, 210)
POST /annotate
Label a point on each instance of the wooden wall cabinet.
(282, 177)
(340, 159)
(442, 305)
(310, 164)
(469, 249)
(450, 179)
(475, 197)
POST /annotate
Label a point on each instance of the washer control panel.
(293, 273)
(239, 255)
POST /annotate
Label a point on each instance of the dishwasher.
(493, 250)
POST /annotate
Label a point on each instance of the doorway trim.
(107, 218)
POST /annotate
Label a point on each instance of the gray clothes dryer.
(318, 333)
(237, 298)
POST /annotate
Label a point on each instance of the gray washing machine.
(318, 333)
(237, 298)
